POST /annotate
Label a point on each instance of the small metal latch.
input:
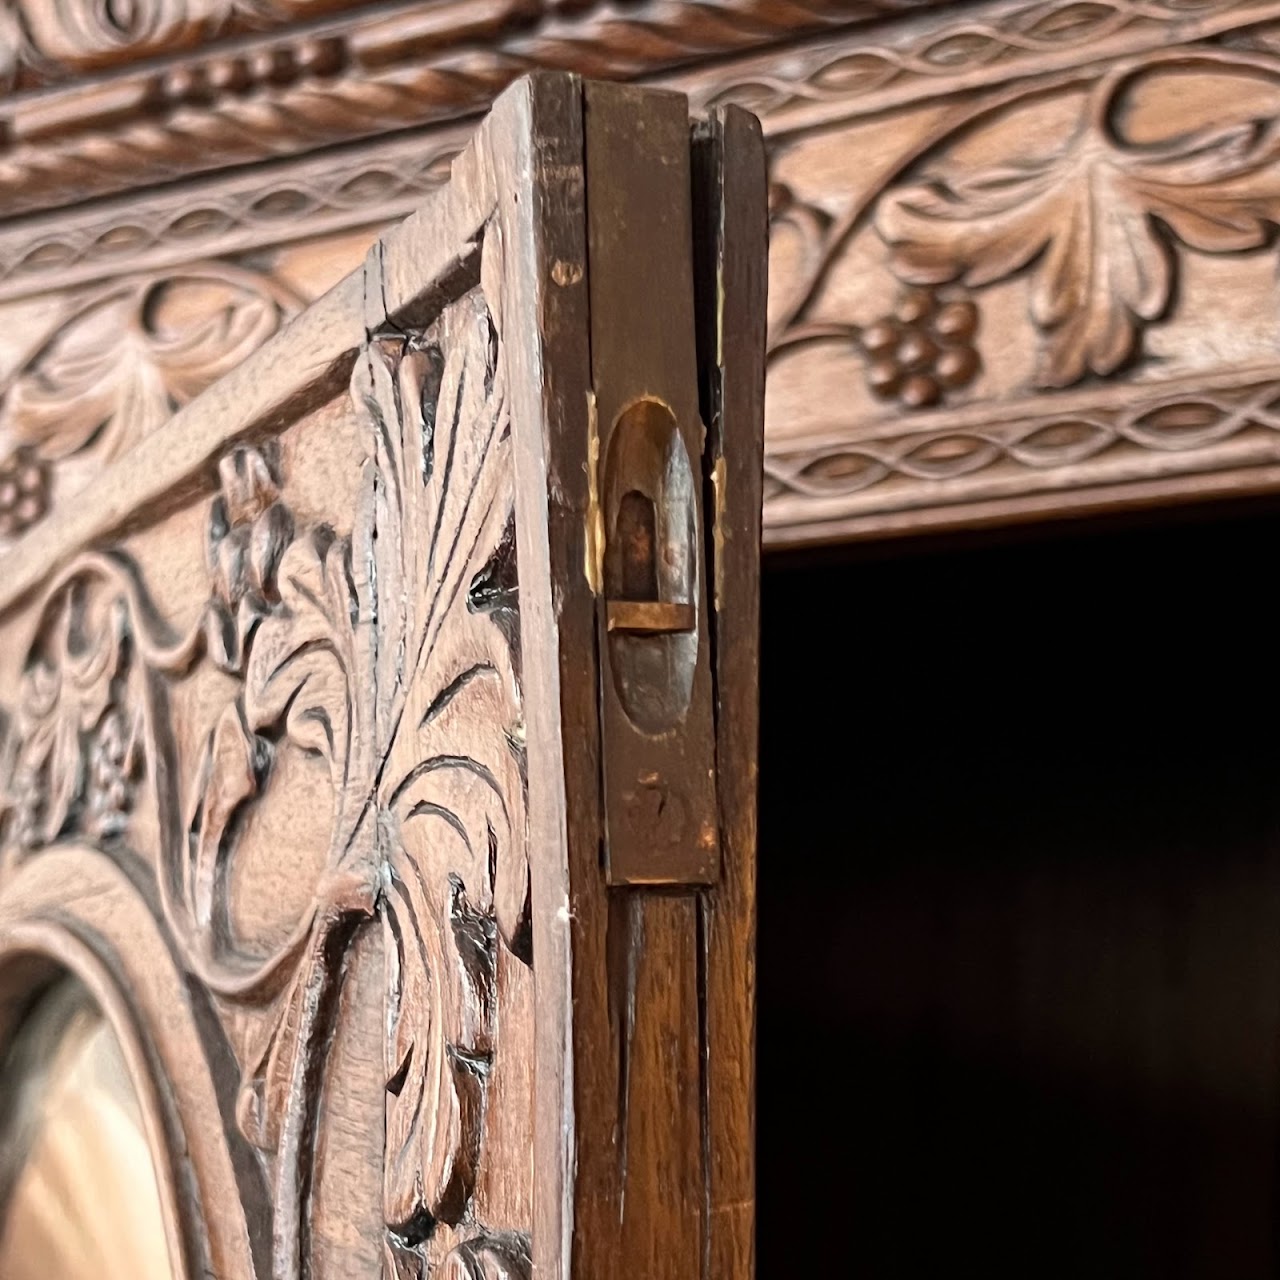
(657, 721)
(646, 531)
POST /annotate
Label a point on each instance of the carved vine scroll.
(1101, 232)
(410, 696)
(1100, 221)
(113, 364)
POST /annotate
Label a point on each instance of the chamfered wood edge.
(542, 223)
(731, 239)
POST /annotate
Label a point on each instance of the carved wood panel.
(299, 756)
(1020, 256)
(1041, 293)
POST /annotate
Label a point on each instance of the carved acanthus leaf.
(451, 787)
(1092, 222)
(419, 720)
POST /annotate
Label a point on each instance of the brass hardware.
(656, 715)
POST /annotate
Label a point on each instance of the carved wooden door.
(379, 737)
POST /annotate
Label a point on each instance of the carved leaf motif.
(1092, 224)
(65, 694)
(127, 357)
(419, 718)
(452, 784)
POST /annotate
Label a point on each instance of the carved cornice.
(950, 232)
(799, 87)
(357, 77)
(46, 42)
(974, 47)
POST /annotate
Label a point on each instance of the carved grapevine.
(117, 364)
(392, 654)
(1095, 223)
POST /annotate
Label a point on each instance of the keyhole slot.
(650, 565)
(637, 534)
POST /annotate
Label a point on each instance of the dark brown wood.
(729, 182)
(647, 440)
(301, 765)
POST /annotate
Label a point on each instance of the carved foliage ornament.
(393, 655)
(115, 365)
(1097, 223)
(49, 38)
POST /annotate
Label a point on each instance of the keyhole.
(650, 565)
(637, 532)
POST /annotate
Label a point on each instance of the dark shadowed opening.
(1020, 907)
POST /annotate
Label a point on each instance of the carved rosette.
(392, 654)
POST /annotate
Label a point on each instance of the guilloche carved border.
(815, 83)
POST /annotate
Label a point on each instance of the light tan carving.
(265, 207)
(1101, 232)
(1087, 218)
(420, 723)
(46, 41)
(359, 78)
(115, 365)
(423, 736)
(972, 46)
